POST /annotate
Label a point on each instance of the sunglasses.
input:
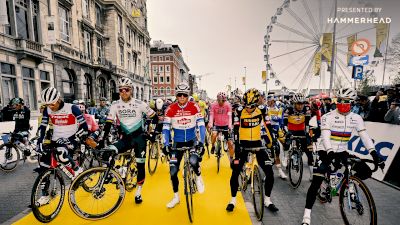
(339, 100)
(251, 106)
(124, 90)
(181, 94)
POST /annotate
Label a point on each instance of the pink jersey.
(91, 122)
(221, 115)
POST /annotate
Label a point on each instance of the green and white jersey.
(129, 114)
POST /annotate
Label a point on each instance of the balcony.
(29, 49)
(103, 63)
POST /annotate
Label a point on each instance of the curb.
(17, 217)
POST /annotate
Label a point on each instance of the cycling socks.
(139, 190)
(267, 201)
(233, 201)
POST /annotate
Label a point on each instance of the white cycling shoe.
(175, 201)
(282, 174)
(200, 184)
(306, 221)
(44, 200)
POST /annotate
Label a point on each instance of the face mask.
(343, 107)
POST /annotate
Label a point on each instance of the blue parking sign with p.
(358, 72)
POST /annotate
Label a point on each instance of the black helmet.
(16, 101)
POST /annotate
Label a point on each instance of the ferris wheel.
(303, 46)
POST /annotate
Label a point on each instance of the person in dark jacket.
(378, 108)
(22, 115)
(7, 112)
(327, 106)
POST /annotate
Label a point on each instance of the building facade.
(167, 69)
(81, 47)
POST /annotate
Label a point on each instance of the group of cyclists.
(252, 120)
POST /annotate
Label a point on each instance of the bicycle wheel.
(88, 160)
(258, 193)
(356, 203)
(105, 198)
(295, 168)
(207, 143)
(188, 191)
(9, 157)
(131, 176)
(47, 195)
(152, 159)
(218, 154)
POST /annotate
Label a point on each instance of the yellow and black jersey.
(250, 123)
(297, 120)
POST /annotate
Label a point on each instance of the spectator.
(8, 113)
(327, 105)
(378, 108)
(393, 115)
(91, 107)
(391, 95)
(362, 106)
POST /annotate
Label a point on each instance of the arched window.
(167, 90)
(155, 91)
(67, 82)
(87, 87)
(161, 90)
(102, 87)
(141, 94)
(137, 92)
(113, 90)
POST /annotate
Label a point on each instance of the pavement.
(209, 207)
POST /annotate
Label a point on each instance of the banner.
(264, 76)
(381, 35)
(51, 34)
(3, 13)
(326, 49)
(136, 12)
(350, 40)
(317, 63)
(244, 80)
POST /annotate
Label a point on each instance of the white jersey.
(65, 121)
(337, 129)
(129, 114)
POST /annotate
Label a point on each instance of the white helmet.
(298, 98)
(346, 93)
(125, 82)
(182, 88)
(50, 95)
(159, 103)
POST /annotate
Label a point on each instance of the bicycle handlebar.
(253, 148)
(353, 160)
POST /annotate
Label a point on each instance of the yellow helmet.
(152, 104)
(251, 97)
(196, 97)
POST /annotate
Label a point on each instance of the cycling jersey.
(337, 128)
(129, 115)
(102, 113)
(250, 123)
(183, 120)
(21, 118)
(221, 115)
(203, 106)
(275, 114)
(297, 120)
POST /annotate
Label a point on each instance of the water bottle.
(332, 178)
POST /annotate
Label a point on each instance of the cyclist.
(159, 108)
(91, 107)
(93, 127)
(336, 129)
(68, 125)
(128, 112)
(21, 116)
(203, 107)
(183, 117)
(297, 124)
(221, 118)
(250, 119)
(102, 111)
(236, 104)
(275, 114)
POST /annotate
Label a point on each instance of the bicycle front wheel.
(47, 195)
(9, 157)
(258, 193)
(295, 168)
(152, 160)
(356, 203)
(188, 192)
(218, 154)
(105, 198)
(131, 176)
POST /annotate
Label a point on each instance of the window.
(63, 13)
(102, 87)
(167, 90)
(167, 68)
(161, 58)
(161, 69)
(119, 24)
(121, 55)
(167, 79)
(155, 91)
(129, 61)
(113, 90)
(21, 14)
(141, 94)
(44, 80)
(128, 34)
(87, 87)
(88, 45)
(29, 87)
(161, 79)
(8, 82)
(35, 20)
(98, 15)
(8, 26)
(137, 92)
(155, 69)
(100, 50)
(166, 58)
(155, 79)
(85, 8)
(68, 82)
(161, 90)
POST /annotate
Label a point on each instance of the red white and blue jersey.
(183, 120)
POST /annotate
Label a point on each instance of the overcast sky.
(224, 36)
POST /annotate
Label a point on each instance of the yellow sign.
(244, 80)
(350, 40)
(264, 76)
(381, 35)
(136, 12)
(317, 63)
(326, 49)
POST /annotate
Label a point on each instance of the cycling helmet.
(196, 97)
(152, 104)
(81, 107)
(271, 98)
(16, 101)
(159, 103)
(125, 82)
(50, 95)
(298, 98)
(182, 88)
(347, 93)
(103, 99)
(251, 97)
(80, 101)
(75, 102)
(221, 96)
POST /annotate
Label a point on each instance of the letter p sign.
(357, 72)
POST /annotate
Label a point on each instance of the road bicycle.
(252, 174)
(155, 153)
(356, 203)
(295, 161)
(13, 150)
(108, 185)
(221, 143)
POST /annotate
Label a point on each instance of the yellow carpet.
(209, 207)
